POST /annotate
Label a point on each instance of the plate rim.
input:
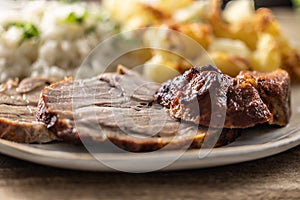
(86, 162)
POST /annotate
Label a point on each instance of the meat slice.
(275, 91)
(18, 101)
(250, 98)
(122, 105)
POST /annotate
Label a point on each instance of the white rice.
(60, 47)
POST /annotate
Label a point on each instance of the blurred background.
(269, 3)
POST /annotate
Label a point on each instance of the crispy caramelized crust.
(250, 98)
(274, 90)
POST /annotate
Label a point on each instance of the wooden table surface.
(275, 177)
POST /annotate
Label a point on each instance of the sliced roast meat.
(250, 98)
(18, 101)
(118, 107)
(275, 91)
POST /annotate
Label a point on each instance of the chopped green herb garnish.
(29, 30)
(73, 18)
(67, 1)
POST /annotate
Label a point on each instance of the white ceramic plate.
(253, 144)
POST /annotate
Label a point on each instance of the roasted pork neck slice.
(275, 91)
(122, 105)
(250, 98)
(18, 101)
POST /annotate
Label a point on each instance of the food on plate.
(236, 38)
(248, 99)
(18, 101)
(123, 106)
(49, 38)
(251, 83)
(125, 109)
(274, 89)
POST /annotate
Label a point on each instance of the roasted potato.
(236, 38)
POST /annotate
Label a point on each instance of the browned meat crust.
(275, 91)
(124, 107)
(250, 98)
(18, 103)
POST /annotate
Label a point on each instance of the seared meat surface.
(275, 91)
(250, 98)
(118, 107)
(18, 101)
